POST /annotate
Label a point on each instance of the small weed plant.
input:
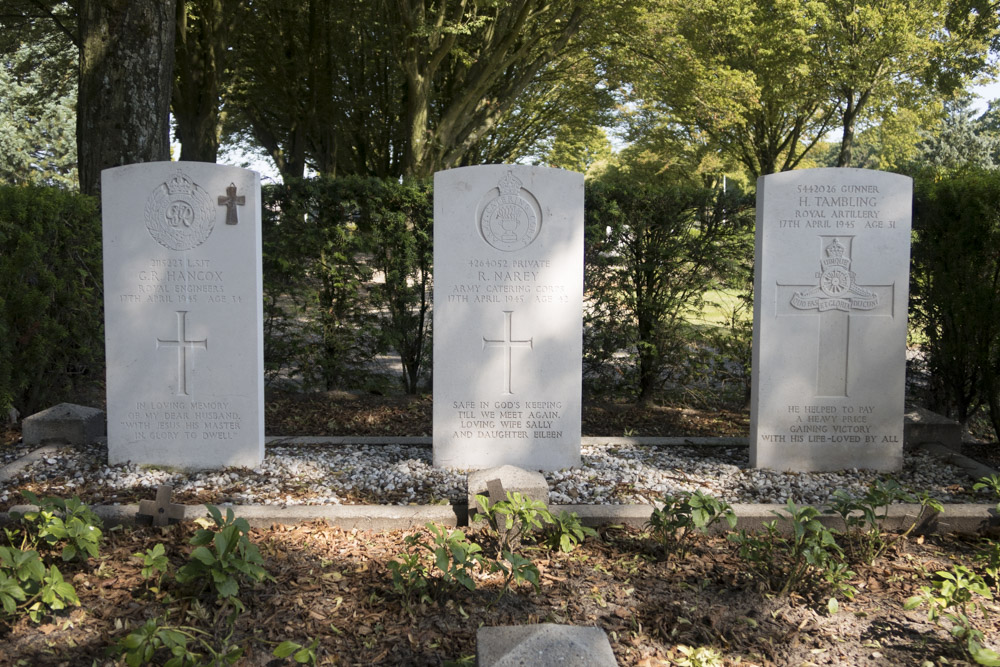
(673, 524)
(566, 532)
(303, 655)
(992, 482)
(809, 562)
(865, 539)
(223, 555)
(952, 596)
(69, 525)
(512, 519)
(187, 646)
(450, 553)
(30, 584)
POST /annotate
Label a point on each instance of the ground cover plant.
(314, 594)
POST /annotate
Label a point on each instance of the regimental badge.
(180, 214)
(510, 221)
(838, 288)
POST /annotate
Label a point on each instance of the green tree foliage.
(961, 140)
(742, 75)
(651, 253)
(763, 81)
(408, 87)
(51, 326)
(882, 55)
(37, 99)
(955, 283)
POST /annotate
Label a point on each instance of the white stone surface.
(831, 285)
(183, 315)
(508, 304)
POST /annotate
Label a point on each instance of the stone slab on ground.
(543, 645)
(66, 422)
(528, 483)
(921, 426)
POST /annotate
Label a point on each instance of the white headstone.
(829, 345)
(183, 315)
(508, 304)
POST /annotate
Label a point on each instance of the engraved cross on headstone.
(835, 298)
(507, 343)
(161, 510)
(183, 345)
(231, 201)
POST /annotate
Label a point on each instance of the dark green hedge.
(51, 298)
(955, 286)
(324, 242)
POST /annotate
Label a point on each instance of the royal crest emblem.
(180, 214)
(510, 221)
(837, 289)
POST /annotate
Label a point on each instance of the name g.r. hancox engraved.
(179, 214)
(510, 221)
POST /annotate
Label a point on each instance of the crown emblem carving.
(509, 185)
(179, 185)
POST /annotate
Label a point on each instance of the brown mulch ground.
(342, 413)
(334, 586)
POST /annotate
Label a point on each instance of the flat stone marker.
(183, 315)
(543, 645)
(66, 422)
(829, 347)
(161, 511)
(496, 482)
(508, 326)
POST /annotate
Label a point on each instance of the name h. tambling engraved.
(182, 345)
(835, 298)
(231, 201)
(507, 343)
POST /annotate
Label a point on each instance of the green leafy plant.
(304, 655)
(988, 558)
(566, 532)
(512, 519)
(154, 563)
(450, 553)
(863, 517)
(952, 596)
(222, 556)
(184, 644)
(809, 562)
(672, 524)
(70, 524)
(992, 482)
(27, 586)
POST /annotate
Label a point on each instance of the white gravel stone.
(403, 474)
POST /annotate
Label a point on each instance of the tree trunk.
(126, 67)
(202, 39)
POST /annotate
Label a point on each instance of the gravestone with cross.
(183, 315)
(829, 351)
(508, 330)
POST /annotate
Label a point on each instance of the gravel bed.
(402, 475)
(11, 454)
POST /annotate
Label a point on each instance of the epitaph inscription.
(831, 279)
(183, 315)
(508, 253)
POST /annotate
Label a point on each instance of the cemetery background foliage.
(348, 277)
